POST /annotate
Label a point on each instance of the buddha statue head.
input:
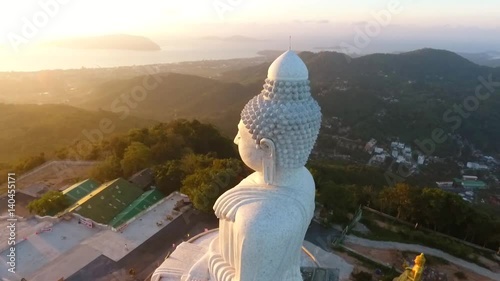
(420, 260)
(279, 127)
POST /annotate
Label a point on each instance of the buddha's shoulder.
(303, 182)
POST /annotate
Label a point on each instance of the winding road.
(422, 249)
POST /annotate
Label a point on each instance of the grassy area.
(404, 234)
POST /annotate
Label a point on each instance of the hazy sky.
(418, 20)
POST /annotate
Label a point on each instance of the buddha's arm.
(267, 249)
(259, 260)
(199, 271)
(418, 273)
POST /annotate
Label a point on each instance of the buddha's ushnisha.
(263, 220)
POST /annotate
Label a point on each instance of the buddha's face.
(249, 152)
(418, 260)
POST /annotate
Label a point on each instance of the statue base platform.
(177, 265)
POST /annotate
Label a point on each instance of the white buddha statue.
(263, 220)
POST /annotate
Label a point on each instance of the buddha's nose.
(237, 139)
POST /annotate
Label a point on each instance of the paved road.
(422, 249)
(145, 258)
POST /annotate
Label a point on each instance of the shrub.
(460, 275)
(362, 276)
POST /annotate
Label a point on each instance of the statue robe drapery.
(261, 231)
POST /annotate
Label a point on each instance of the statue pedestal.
(177, 265)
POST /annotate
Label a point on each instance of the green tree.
(93, 153)
(139, 135)
(169, 176)
(203, 138)
(50, 204)
(430, 202)
(204, 186)
(396, 199)
(107, 170)
(170, 147)
(137, 157)
(190, 163)
(117, 146)
(30, 163)
(338, 199)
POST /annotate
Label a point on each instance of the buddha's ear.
(268, 160)
(267, 145)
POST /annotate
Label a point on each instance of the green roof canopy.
(470, 183)
(474, 184)
(107, 201)
(146, 200)
(79, 190)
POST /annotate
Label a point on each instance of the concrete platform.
(177, 265)
(68, 246)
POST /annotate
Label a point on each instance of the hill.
(405, 96)
(490, 58)
(384, 96)
(178, 96)
(27, 130)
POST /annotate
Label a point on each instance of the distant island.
(115, 41)
(234, 38)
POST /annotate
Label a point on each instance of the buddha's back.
(262, 230)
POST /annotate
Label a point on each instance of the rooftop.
(143, 178)
(108, 200)
(80, 189)
(64, 246)
(470, 183)
(146, 200)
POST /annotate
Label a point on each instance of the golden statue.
(413, 273)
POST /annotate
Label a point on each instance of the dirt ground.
(55, 175)
(22, 200)
(396, 258)
(358, 266)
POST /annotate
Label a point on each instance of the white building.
(394, 153)
(469, 178)
(370, 145)
(421, 160)
(476, 166)
(379, 158)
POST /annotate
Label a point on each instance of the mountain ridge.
(382, 96)
(30, 129)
